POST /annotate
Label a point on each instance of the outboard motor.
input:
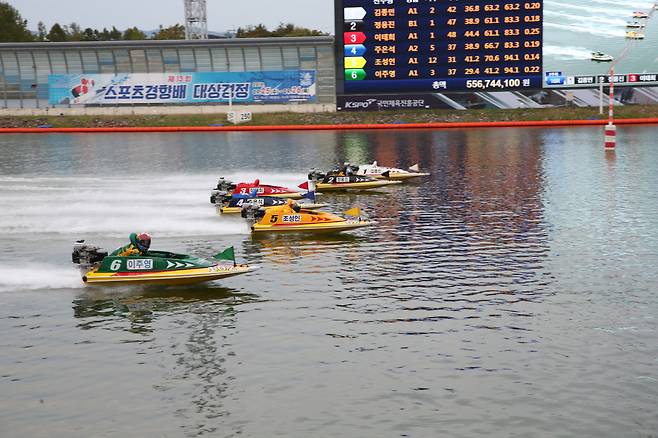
(219, 197)
(253, 213)
(315, 175)
(224, 185)
(223, 188)
(87, 255)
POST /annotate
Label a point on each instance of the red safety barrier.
(436, 125)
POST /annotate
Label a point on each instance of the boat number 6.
(116, 265)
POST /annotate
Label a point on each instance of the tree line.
(284, 30)
(13, 28)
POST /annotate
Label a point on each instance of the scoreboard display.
(430, 46)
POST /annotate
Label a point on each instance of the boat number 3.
(116, 265)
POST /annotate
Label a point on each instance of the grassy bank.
(285, 118)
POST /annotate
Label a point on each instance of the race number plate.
(140, 264)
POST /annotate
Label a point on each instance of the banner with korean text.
(183, 88)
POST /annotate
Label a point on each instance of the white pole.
(601, 97)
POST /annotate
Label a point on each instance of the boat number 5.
(116, 265)
(274, 218)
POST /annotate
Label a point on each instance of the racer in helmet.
(138, 246)
(293, 205)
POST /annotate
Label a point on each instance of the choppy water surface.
(512, 293)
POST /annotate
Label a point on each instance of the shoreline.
(403, 119)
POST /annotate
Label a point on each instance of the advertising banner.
(375, 102)
(186, 88)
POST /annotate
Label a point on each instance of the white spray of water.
(591, 10)
(38, 276)
(176, 205)
(588, 29)
(566, 52)
(643, 6)
(578, 19)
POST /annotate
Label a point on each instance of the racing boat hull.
(152, 267)
(238, 209)
(329, 227)
(400, 176)
(362, 185)
(178, 277)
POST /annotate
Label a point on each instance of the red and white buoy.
(610, 139)
(610, 134)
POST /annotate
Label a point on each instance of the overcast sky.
(149, 14)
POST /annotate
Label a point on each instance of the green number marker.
(355, 74)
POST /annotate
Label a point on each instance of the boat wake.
(592, 10)
(176, 205)
(577, 19)
(626, 4)
(567, 53)
(38, 276)
(606, 33)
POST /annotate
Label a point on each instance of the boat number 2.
(116, 265)
(342, 179)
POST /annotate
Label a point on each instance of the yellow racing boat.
(292, 218)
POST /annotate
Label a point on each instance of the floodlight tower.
(196, 22)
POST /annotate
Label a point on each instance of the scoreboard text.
(400, 46)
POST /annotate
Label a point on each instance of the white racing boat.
(601, 57)
(640, 14)
(381, 172)
(634, 25)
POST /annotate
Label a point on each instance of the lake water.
(514, 292)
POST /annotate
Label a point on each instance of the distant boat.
(601, 57)
(634, 24)
(634, 35)
(640, 14)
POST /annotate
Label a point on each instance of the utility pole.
(196, 21)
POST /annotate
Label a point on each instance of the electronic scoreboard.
(430, 46)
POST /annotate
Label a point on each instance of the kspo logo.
(351, 104)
